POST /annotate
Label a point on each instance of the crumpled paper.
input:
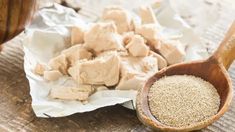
(49, 34)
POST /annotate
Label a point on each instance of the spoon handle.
(225, 54)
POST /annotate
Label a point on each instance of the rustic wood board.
(15, 102)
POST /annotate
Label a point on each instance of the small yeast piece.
(102, 37)
(104, 69)
(59, 63)
(76, 52)
(77, 35)
(39, 69)
(147, 15)
(135, 71)
(150, 33)
(127, 36)
(81, 92)
(172, 50)
(68, 93)
(121, 18)
(52, 75)
(130, 81)
(137, 46)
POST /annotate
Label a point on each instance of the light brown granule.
(182, 100)
(39, 69)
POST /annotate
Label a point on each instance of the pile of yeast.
(115, 52)
(183, 100)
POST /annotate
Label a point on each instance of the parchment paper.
(49, 34)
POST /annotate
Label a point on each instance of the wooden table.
(15, 102)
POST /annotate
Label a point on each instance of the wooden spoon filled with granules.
(189, 96)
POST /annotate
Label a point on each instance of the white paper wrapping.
(49, 34)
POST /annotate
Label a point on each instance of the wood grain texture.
(225, 54)
(15, 103)
(14, 16)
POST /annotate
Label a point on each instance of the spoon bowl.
(213, 73)
(213, 70)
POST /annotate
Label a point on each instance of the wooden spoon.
(214, 70)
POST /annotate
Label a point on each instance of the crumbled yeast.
(182, 100)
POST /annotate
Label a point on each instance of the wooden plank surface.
(15, 102)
